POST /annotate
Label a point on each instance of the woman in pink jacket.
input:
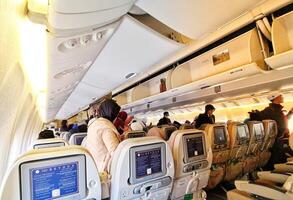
(103, 137)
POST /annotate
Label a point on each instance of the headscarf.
(109, 109)
(120, 121)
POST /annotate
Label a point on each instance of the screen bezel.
(186, 158)
(133, 150)
(25, 182)
(49, 145)
(225, 135)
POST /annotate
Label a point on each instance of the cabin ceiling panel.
(196, 18)
(132, 49)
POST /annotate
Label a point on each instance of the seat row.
(157, 170)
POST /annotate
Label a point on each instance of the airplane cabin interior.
(146, 100)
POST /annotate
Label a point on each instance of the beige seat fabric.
(256, 132)
(239, 140)
(218, 137)
(192, 158)
(49, 143)
(134, 134)
(167, 131)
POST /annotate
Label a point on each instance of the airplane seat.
(77, 138)
(168, 130)
(280, 184)
(83, 143)
(270, 134)
(56, 173)
(239, 140)
(186, 126)
(218, 137)
(256, 132)
(49, 143)
(150, 169)
(134, 134)
(65, 135)
(192, 158)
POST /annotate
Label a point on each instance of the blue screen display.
(54, 181)
(148, 162)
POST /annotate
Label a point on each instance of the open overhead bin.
(282, 39)
(232, 60)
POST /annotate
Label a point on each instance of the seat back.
(77, 138)
(186, 126)
(60, 173)
(239, 139)
(134, 134)
(256, 131)
(271, 132)
(49, 143)
(218, 137)
(83, 144)
(192, 158)
(65, 135)
(150, 169)
(167, 131)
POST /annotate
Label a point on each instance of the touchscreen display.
(148, 162)
(194, 147)
(220, 137)
(241, 132)
(54, 181)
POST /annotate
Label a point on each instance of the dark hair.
(209, 107)
(46, 134)
(166, 113)
(82, 128)
(109, 109)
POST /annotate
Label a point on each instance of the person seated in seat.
(207, 117)
(103, 137)
(46, 134)
(165, 120)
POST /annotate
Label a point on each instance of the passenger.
(155, 131)
(103, 138)
(136, 125)
(207, 117)
(46, 134)
(176, 124)
(187, 122)
(274, 112)
(70, 126)
(120, 121)
(64, 126)
(165, 120)
(128, 122)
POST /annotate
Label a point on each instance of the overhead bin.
(282, 39)
(152, 87)
(232, 60)
(67, 15)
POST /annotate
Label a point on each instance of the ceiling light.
(130, 75)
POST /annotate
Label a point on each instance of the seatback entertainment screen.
(220, 135)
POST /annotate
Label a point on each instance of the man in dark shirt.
(275, 112)
(165, 120)
(207, 117)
